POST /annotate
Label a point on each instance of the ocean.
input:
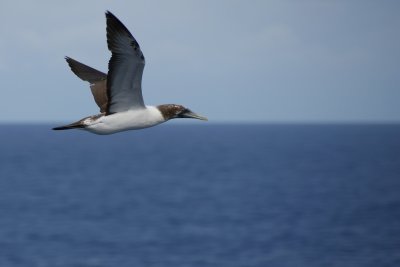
(201, 195)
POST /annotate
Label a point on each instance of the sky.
(232, 61)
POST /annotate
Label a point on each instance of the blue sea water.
(201, 195)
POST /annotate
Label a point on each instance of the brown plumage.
(97, 80)
(170, 111)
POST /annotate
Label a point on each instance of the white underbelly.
(128, 120)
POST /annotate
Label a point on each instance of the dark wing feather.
(97, 80)
(85, 72)
(125, 68)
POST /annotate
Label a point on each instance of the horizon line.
(231, 122)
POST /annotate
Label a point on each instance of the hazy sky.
(272, 61)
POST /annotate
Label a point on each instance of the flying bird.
(119, 92)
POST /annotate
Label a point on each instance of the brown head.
(173, 111)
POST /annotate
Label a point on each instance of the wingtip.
(69, 62)
(112, 19)
(109, 14)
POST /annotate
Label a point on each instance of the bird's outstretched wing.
(125, 68)
(97, 80)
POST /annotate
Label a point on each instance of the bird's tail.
(75, 125)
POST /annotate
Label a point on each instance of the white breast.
(127, 120)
